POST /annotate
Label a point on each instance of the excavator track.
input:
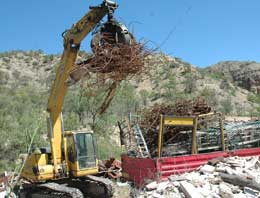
(106, 183)
(49, 190)
(86, 187)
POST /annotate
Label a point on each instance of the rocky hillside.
(244, 74)
(231, 86)
(227, 88)
(26, 77)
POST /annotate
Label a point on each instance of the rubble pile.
(3, 185)
(151, 119)
(233, 177)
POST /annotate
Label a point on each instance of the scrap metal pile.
(110, 168)
(243, 135)
(151, 119)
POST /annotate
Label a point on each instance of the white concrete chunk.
(225, 191)
(189, 190)
(230, 171)
(162, 186)
(176, 184)
(156, 195)
(151, 186)
(240, 195)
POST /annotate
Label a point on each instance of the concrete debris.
(3, 184)
(122, 190)
(6, 181)
(225, 191)
(151, 186)
(162, 186)
(174, 178)
(233, 177)
(189, 190)
(207, 169)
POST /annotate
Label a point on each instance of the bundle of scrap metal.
(109, 65)
(151, 119)
(110, 168)
(113, 62)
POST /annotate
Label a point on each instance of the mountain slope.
(228, 86)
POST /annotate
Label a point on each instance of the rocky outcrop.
(243, 73)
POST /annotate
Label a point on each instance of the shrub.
(4, 76)
(6, 60)
(226, 106)
(255, 98)
(34, 63)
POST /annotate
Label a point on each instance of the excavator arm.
(73, 155)
(72, 40)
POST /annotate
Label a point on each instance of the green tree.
(189, 83)
(21, 113)
(144, 96)
(169, 86)
(226, 105)
(209, 95)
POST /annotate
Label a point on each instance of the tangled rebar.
(114, 62)
(110, 64)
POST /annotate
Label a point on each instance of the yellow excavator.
(65, 169)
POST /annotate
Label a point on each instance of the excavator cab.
(81, 153)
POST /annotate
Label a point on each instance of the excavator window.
(86, 153)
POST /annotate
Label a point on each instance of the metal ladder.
(131, 132)
(140, 141)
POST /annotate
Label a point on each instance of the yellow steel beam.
(194, 148)
(222, 135)
(206, 115)
(178, 121)
(160, 138)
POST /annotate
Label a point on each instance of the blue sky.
(202, 32)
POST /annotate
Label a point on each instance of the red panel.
(177, 165)
(245, 152)
(138, 169)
